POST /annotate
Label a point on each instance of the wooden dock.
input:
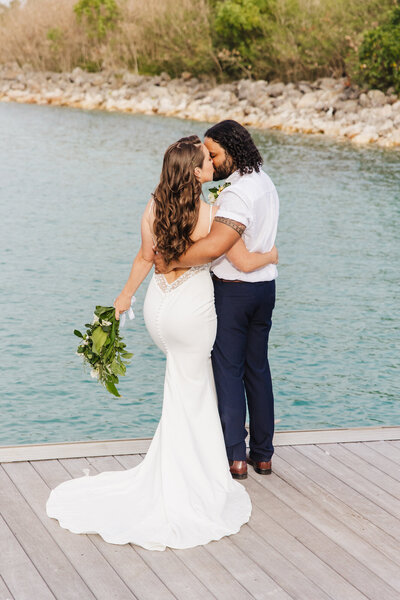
(325, 526)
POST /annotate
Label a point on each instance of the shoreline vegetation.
(309, 66)
(335, 107)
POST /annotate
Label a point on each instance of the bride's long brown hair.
(177, 196)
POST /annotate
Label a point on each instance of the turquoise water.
(73, 185)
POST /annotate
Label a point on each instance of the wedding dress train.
(182, 494)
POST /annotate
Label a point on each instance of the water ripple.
(73, 185)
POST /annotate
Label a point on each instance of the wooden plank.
(366, 554)
(346, 576)
(181, 578)
(364, 469)
(396, 445)
(386, 449)
(85, 557)
(243, 569)
(125, 561)
(28, 452)
(20, 575)
(326, 436)
(352, 478)
(5, 593)
(374, 458)
(307, 559)
(277, 566)
(80, 449)
(49, 560)
(129, 460)
(212, 574)
(358, 513)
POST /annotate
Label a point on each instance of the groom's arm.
(223, 235)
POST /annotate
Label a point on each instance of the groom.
(244, 302)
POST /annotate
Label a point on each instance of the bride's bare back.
(201, 230)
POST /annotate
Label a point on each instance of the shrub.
(99, 16)
(239, 28)
(379, 54)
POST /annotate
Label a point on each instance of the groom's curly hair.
(238, 143)
(176, 197)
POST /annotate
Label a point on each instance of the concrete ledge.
(141, 445)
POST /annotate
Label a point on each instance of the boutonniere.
(215, 192)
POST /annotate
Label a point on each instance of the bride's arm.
(247, 261)
(141, 266)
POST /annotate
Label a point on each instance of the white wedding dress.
(182, 494)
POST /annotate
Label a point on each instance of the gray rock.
(377, 98)
(325, 83)
(364, 100)
(294, 94)
(396, 106)
(350, 106)
(392, 99)
(274, 89)
(18, 86)
(308, 100)
(243, 89)
(304, 87)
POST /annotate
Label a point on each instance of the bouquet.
(103, 349)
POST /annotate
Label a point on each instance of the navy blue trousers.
(241, 368)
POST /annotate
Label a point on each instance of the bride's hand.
(122, 303)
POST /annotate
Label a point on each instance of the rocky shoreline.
(333, 107)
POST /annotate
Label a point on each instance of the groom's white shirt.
(253, 201)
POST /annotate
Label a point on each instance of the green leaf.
(116, 368)
(113, 331)
(78, 333)
(112, 389)
(127, 354)
(99, 337)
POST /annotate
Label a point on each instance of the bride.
(182, 494)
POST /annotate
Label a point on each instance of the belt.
(227, 280)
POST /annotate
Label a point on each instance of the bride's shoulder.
(149, 210)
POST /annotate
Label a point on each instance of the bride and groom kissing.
(208, 307)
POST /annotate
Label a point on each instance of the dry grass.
(305, 39)
(153, 35)
(24, 35)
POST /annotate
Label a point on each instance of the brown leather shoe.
(238, 469)
(263, 467)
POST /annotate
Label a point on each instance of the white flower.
(211, 198)
(105, 323)
(95, 319)
(94, 373)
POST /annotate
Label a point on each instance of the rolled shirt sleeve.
(232, 206)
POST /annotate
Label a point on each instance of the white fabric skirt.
(182, 494)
